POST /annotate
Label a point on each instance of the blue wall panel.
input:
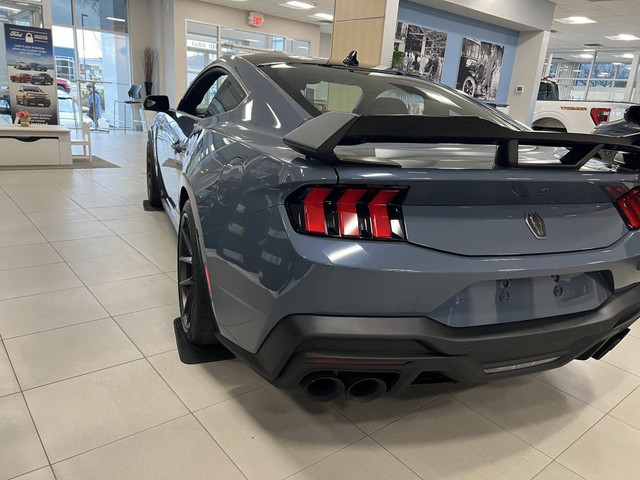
(457, 27)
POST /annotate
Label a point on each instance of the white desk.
(35, 145)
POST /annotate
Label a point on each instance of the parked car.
(21, 78)
(63, 85)
(557, 115)
(38, 67)
(71, 115)
(470, 67)
(42, 79)
(34, 96)
(365, 249)
(22, 66)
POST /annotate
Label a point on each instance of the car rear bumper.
(412, 350)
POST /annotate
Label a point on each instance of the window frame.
(208, 73)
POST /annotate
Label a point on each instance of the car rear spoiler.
(319, 136)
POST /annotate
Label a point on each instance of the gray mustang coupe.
(355, 230)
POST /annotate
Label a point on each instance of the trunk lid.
(459, 203)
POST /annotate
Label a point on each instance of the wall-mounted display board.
(421, 50)
(32, 76)
(480, 67)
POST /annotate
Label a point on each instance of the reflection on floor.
(91, 385)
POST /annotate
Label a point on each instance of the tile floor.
(91, 386)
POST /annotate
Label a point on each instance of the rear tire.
(196, 315)
(153, 190)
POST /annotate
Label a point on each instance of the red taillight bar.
(352, 212)
(348, 212)
(314, 219)
(379, 211)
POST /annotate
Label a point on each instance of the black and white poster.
(32, 77)
(419, 50)
(480, 67)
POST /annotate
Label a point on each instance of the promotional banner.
(32, 77)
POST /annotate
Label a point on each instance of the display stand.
(35, 145)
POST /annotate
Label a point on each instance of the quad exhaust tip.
(326, 387)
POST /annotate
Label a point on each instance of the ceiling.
(612, 17)
(273, 7)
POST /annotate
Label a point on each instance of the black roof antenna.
(351, 60)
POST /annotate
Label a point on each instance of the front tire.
(153, 190)
(196, 315)
(469, 86)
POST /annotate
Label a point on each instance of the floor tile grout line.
(219, 446)
(24, 399)
(394, 456)
(621, 368)
(557, 459)
(325, 457)
(83, 374)
(508, 431)
(32, 471)
(563, 466)
(84, 322)
(597, 408)
(119, 439)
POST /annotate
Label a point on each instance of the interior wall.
(458, 27)
(325, 45)
(202, 11)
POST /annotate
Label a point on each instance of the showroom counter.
(35, 145)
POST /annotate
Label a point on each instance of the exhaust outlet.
(365, 389)
(322, 387)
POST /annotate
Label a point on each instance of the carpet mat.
(78, 163)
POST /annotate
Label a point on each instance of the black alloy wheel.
(195, 305)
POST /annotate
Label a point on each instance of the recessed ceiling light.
(583, 55)
(298, 5)
(622, 37)
(115, 19)
(625, 55)
(616, 63)
(575, 20)
(323, 16)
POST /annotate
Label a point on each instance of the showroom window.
(596, 76)
(207, 42)
(91, 46)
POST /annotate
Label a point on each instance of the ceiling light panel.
(622, 37)
(298, 5)
(575, 20)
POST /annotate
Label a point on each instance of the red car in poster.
(21, 78)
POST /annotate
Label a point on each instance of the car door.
(174, 144)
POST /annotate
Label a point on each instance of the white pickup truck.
(573, 116)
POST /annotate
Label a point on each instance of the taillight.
(628, 204)
(600, 115)
(629, 207)
(349, 212)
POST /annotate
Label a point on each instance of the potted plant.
(24, 118)
(148, 65)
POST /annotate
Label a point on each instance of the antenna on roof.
(351, 60)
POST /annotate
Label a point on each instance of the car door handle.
(179, 147)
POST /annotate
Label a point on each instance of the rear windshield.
(320, 88)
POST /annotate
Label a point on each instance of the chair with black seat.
(134, 99)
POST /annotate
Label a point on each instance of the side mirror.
(156, 103)
(632, 114)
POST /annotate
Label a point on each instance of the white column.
(633, 72)
(527, 72)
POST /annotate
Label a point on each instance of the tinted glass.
(319, 88)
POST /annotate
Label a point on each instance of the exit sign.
(256, 19)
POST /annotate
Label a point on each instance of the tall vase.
(147, 87)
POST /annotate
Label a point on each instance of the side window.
(211, 94)
(227, 95)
